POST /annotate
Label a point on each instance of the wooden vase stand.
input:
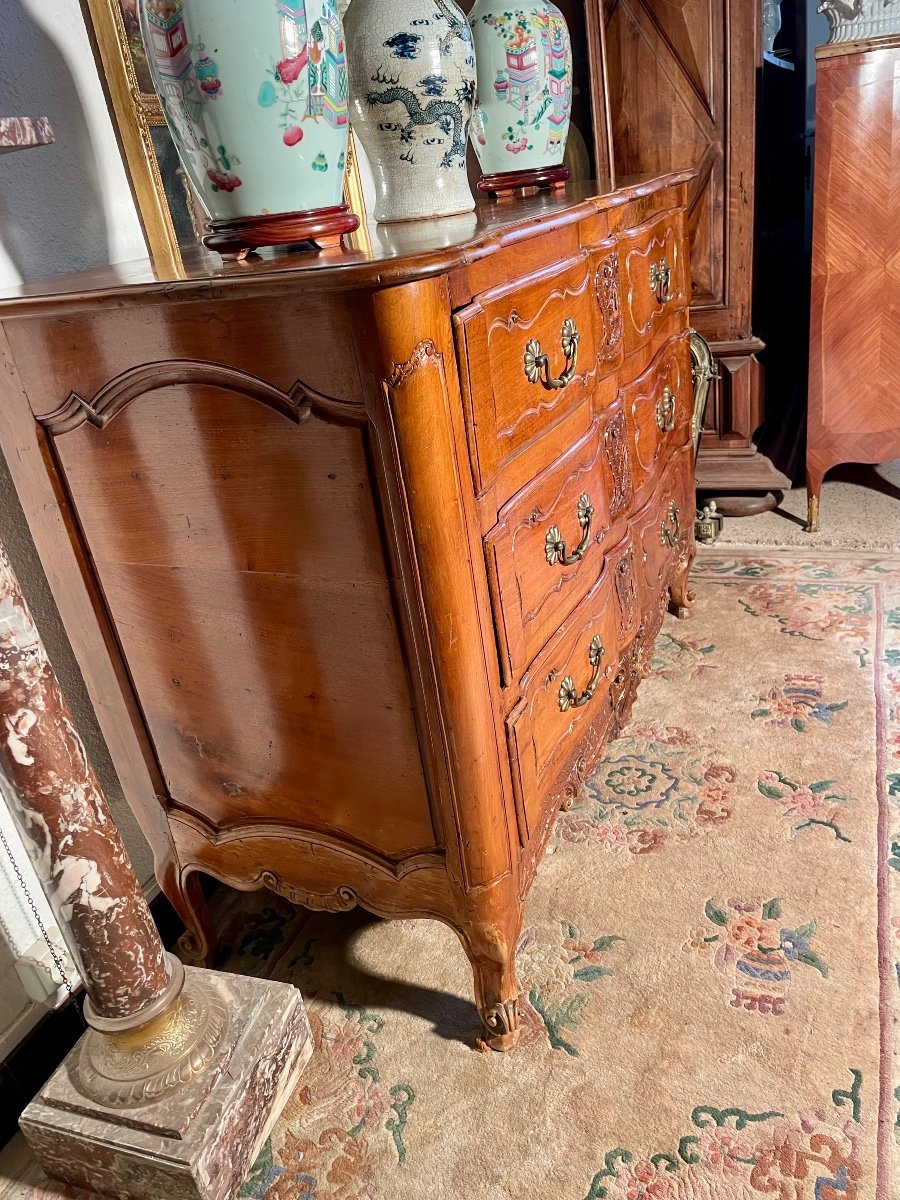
(320, 228)
(515, 181)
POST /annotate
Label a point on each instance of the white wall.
(68, 206)
(63, 208)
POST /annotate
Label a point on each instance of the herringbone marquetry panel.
(854, 400)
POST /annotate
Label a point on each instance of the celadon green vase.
(524, 104)
(255, 94)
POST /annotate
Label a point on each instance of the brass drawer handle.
(660, 280)
(665, 411)
(670, 529)
(568, 693)
(555, 547)
(537, 364)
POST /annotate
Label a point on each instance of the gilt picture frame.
(170, 214)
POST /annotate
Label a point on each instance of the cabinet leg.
(813, 494)
(491, 947)
(198, 942)
(681, 597)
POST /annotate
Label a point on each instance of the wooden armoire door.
(674, 85)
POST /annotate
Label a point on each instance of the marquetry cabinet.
(363, 553)
(854, 354)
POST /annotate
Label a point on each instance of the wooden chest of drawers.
(364, 554)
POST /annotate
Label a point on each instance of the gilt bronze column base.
(179, 1107)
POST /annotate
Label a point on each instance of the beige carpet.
(860, 510)
(709, 963)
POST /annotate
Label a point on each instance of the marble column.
(175, 1085)
(67, 828)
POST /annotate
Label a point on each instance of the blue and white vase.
(524, 55)
(412, 89)
(255, 93)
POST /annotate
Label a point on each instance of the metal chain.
(54, 953)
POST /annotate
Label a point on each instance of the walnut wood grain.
(295, 516)
(675, 84)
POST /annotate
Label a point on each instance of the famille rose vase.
(412, 89)
(255, 93)
(521, 119)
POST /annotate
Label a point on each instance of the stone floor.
(860, 510)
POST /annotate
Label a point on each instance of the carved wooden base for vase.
(506, 182)
(319, 227)
(115, 1121)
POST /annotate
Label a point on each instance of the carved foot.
(681, 597)
(681, 605)
(490, 935)
(501, 1021)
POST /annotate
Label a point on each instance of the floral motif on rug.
(339, 1121)
(658, 784)
(556, 979)
(677, 657)
(816, 805)
(816, 611)
(733, 1154)
(756, 952)
(684, 1020)
(797, 703)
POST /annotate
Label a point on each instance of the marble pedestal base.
(199, 1142)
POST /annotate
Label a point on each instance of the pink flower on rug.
(806, 803)
(894, 744)
(714, 807)
(613, 837)
(747, 932)
(720, 773)
(640, 1181)
(723, 1151)
(645, 841)
(895, 925)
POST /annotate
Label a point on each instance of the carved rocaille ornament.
(619, 465)
(145, 1065)
(606, 287)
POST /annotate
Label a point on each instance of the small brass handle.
(660, 280)
(568, 693)
(555, 547)
(670, 529)
(665, 411)
(537, 364)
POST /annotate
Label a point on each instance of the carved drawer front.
(663, 530)
(528, 356)
(654, 279)
(546, 550)
(658, 407)
(564, 693)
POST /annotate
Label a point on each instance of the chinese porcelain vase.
(255, 94)
(412, 89)
(524, 103)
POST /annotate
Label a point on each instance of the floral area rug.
(709, 964)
